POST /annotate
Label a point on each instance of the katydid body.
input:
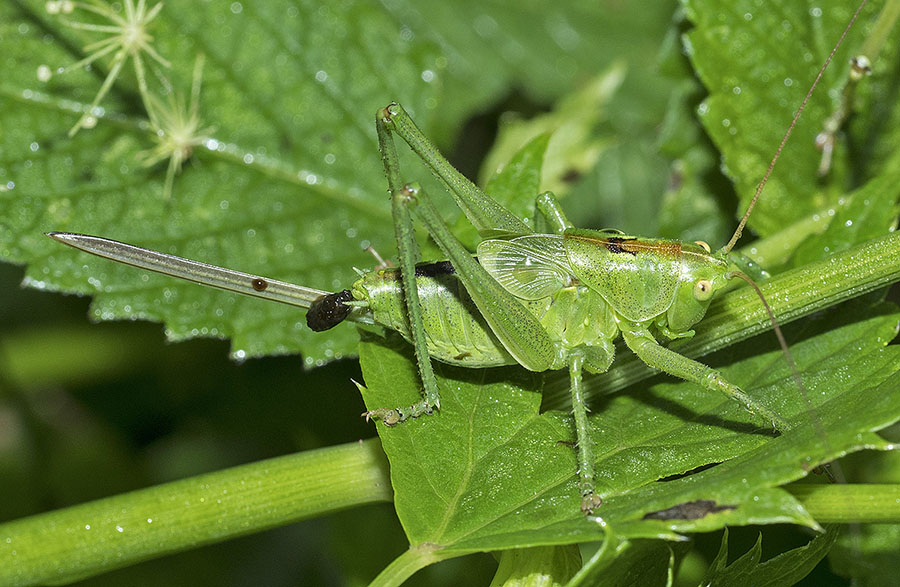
(552, 301)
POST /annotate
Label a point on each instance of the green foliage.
(289, 183)
(498, 475)
(755, 64)
(785, 569)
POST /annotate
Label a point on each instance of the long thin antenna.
(737, 233)
(781, 340)
(837, 471)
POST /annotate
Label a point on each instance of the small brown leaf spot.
(259, 284)
(689, 510)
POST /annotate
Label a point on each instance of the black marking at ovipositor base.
(689, 510)
(435, 269)
(614, 244)
(259, 284)
(329, 310)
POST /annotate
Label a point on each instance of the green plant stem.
(857, 503)
(739, 315)
(404, 566)
(91, 538)
(873, 44)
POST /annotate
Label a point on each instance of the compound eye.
(703, 290)
(704, 245)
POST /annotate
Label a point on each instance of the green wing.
(529, 267)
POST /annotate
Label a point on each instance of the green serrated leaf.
(489, 471)
(866, 213)
(758, 64)
(784, 570)
(289, 184)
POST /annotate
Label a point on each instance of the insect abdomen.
(456, 332)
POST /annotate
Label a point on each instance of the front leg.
(642, 343)
(584, 444)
